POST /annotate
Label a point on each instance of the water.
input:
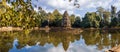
(41, 41)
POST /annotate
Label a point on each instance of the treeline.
(20, 13)
(101, 18)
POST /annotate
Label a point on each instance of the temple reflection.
(100, 39)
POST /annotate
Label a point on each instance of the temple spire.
(66, 21)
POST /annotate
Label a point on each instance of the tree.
(100, 11)
(86, 21)
(42, 17)
(72, 19)
(20, 14)
(114, 22)
(58, 18)
(77, 22)
(104, 15)
(106, 18)
(113, 11)
(91, 20)
(51, 18)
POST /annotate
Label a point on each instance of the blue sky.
(85, 5)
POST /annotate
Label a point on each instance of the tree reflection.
(31, 38)
(56, 38)
(102, 39)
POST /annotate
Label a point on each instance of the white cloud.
(85, 5)
(61, 4)
(94, 3)
(117, 4)
(77, 46)
(73, 47)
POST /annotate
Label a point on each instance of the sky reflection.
(77, 46)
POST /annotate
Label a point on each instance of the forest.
(20, 13)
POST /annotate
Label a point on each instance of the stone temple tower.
(66, 21)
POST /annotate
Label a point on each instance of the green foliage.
(114, 22)
(57, 18)
(113, 11)
(42, 17)
(100, 11)
(105, 22)
(77, 22)
(21, 13)
(72, 19)
(91, 20)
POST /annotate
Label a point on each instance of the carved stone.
(66, 21)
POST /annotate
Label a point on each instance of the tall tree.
(100, 10)
(106, 18)
(58, 18)
(114, 22)
(19, 13)
(77, 22)
(113, 11)
(91, 20)
(51, 18)
(72, 19)
(43, 17)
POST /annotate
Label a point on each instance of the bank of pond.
(55, 28)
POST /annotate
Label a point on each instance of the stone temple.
(66, 21)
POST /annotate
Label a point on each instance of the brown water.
(41, 41)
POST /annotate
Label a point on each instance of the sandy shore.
(20, 29)
(53, 29)
(10, 29)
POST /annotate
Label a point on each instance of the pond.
(57, 41)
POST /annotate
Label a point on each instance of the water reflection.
(102, 40)
(40, 41)
(74, 47)
(27, 48)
